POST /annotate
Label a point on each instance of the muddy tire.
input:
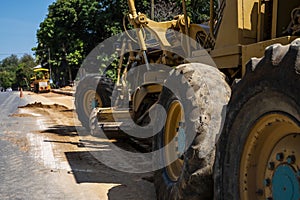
(194, 97)
(86, 97)
(258, 154)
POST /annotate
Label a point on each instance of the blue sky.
(19, 22)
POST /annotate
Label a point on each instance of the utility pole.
(152, 9)
(49, 60)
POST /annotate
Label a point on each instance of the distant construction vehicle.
(40, 81)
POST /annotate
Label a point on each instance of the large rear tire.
(194, 98)
(92, 92)
(258, 154)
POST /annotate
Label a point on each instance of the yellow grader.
(245, 140)
(40, 81)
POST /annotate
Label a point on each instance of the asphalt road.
(22, 177)
(41, 157)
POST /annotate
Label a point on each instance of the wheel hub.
(282, 175)
(94, 104)
(91, 100)
(181, 139)
(285, 183)
(270, 162)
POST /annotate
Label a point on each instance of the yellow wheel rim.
(272, 150)
(174, 137)
(91, 100)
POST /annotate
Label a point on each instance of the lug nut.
(267, 182)
(271, 165)
(259, 192)
(279, 156)
(291, 159)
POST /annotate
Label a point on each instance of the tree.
(15, 72)
(166, 10)
(67, 32)
(8, 71)
(73, 28)
(198, 10)
(6, 79)
(24, 71)
(9, 63)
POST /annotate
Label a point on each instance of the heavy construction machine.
(40, 81)
(244, 148)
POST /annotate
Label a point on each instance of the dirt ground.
(80, 171)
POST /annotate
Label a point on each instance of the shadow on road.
(87, 169)
(62, 130)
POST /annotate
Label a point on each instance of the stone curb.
(58, 91)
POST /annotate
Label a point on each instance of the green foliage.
(68, 33)
(6, 79)
(16, 72)
(111, 66)
(199, 10)
(9, 63)
(73, 28)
